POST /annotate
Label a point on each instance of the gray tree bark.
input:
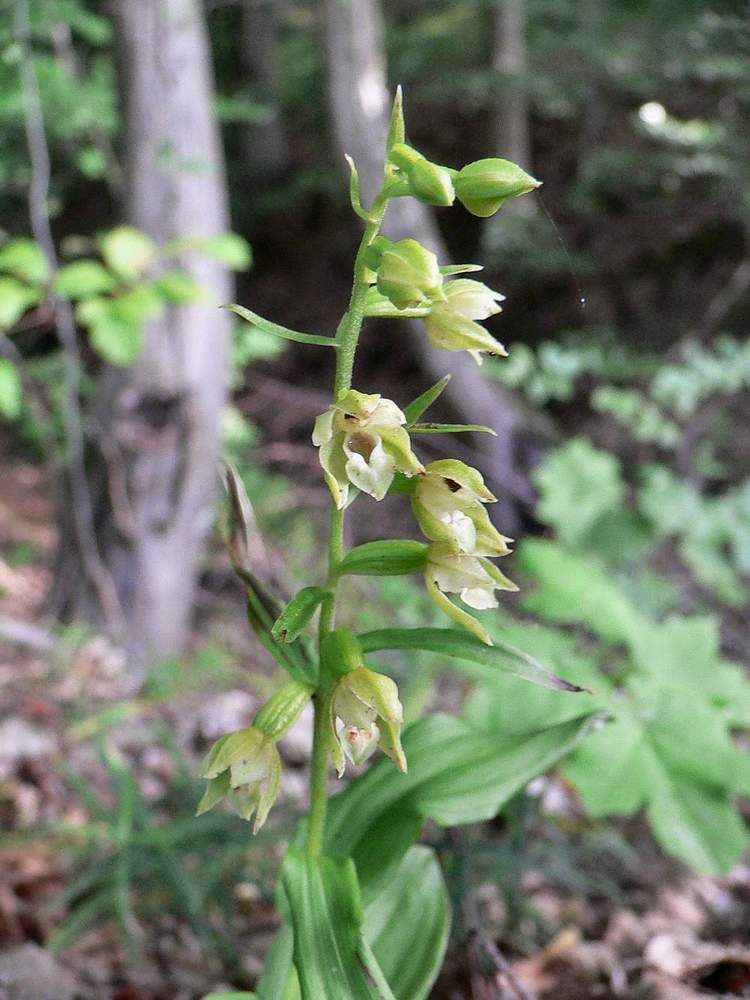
(511, 133)
(359, 110)
(159, 420)
(266, 142)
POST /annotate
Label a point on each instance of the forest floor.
(99, 848)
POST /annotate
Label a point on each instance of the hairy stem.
(348, 337)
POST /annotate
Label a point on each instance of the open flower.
(368, 707)
(450, 323)
(362, 441)
(244, 767)
(474, 578)
(448, 503)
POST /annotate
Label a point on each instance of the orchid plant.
(365, 912)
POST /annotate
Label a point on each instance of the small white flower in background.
(362, 441)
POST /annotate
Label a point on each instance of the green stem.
(318, 773)
(347, 338)
(348, 335)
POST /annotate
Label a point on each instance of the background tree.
(158, 421)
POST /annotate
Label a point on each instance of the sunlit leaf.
(10, 390)
(25, 259)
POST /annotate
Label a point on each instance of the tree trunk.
(511, 134)
(360, 106)
(158, 421)
(266, 144)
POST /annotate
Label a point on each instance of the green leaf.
(573, 588)
(15, 299)
(128, 252)
(280, 331)
(417, 407)
(82, 279)
(10, 390)
(396, 129)
(390, 557)
(500, 704)
(113, 335)
(26, 260)
(480, 660)
(325, 909)
(450, 429)
(176, 287)
(408, 924)
(458, 773)
(460, 268)
(279, 978)
(297, 614)
(230, 249)
(685, 783)
(354, 196)
(231, 996)
(577, 484)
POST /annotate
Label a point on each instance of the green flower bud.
(374, 252)
(484, 185)
(428, 181)
(408, 274)
(282, 709)
(340, 652)
(245, 767)
(369, 709)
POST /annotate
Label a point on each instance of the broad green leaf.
(279, 978)
(484, 662)
(325, 909)
(128, 251)
(574, 588)
(408, 924)
(450, 429)
(82, 279)
(25, 259)
(298, 613)
(417, 407)
(458, 773)
(116, 324)
(15, 299)
(683, 653)
(10, 390)
(390, 557)
(280, 331)
(499, 703)
(577, 484)
(673, 757)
